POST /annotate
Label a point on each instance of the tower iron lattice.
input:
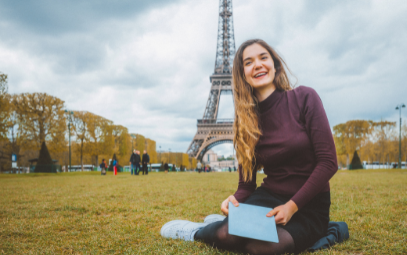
(211, 130)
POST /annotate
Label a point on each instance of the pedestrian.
(230, 169)
(234, 168)
(115, 167)
(103, 167)
(273, 122)
(145, 161)
(133, 162)
(166, 168)
(138, 162)
(199, 166)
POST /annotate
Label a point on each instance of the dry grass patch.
(89, 213)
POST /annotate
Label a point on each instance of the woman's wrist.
(292, 206)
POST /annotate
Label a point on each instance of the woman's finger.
(225, 206)
(233, 200)
(272, 212)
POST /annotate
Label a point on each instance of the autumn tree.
(100, 137)
(185, 160)
(4, 106)
(150, 147)
(381, 136)
(349, 136)
(81, 122)
(40, 117)
(140, 142)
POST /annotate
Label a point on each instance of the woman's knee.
(284, 246)
(224, 239)
(222, 235)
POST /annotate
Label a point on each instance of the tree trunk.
(82, 156)
(347, 161)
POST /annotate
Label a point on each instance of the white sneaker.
(214, 218)
(181, 229)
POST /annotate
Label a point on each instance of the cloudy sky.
(146, 64)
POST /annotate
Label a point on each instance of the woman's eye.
(247, 63)
(264, 58)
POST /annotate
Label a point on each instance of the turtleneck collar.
(270, 100)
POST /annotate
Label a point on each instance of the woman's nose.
(257, 64)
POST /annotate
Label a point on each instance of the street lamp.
(399, 108)
(160, 154)
(69, 130)
(132, 142)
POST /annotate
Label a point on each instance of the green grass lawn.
(88, 213)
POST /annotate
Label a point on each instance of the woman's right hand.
(225, 204)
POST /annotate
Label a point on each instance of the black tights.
(216, 234)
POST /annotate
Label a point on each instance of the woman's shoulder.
(303, 91)
(303, 94)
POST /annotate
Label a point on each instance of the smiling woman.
(286, 132)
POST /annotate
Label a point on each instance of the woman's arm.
(245, 189)
(320, 134)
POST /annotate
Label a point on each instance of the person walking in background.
(103, 167)
(230, 169)
(138, 161)
(199, 166)
(132, 162)
(234, 169)
(166, 168)
(145, 161)
(115, 167)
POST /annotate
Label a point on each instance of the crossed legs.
(216, 234)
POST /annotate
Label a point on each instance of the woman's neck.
(264, 92)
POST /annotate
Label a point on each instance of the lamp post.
(160, 154)
(399, 108)
(69, 130)
(132, 142)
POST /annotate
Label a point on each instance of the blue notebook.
(250, 221)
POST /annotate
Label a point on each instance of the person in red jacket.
(115, 167)
(286, 132)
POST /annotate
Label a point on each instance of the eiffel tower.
(211, 130)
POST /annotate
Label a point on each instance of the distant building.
(211, 159)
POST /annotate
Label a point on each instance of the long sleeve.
(245, 189)
(319, 132)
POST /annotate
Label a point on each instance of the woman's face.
(259, 68)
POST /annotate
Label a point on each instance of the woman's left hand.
(283, 213)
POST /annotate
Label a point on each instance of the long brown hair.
(246, 127)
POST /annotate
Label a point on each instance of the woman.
(286, 132)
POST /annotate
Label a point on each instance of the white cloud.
(149, 69)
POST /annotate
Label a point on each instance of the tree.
(349, 136)
(100, 137)
(4, 106)
(140, 142)
(40, 117)
(81, 121)
(355, 164)
(381, 135)
(44, 163)
(151, 150)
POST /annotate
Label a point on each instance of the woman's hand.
(283, 213)
(225, 204)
